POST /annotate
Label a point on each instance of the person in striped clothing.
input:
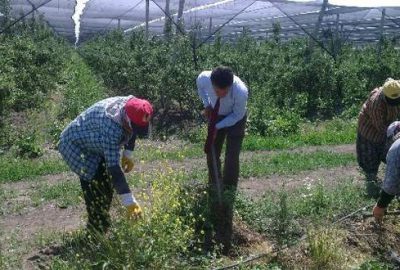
(380, 109)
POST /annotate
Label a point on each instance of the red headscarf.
(136, 109)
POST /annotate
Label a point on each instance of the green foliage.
(269, 121)
(284, 227)
(66, 193)
(376, 265)
(55, 130)
(32, 60)
(80, 90)
(27, 146)
(158, 241)
(309, 204)
(14, 169)
(331, 132)
(286, 81)
(284, 163)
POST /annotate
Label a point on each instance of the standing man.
(224, 97)
(380, 109)
(91, 145)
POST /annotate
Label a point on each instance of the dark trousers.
(370, 155)
(221, 215)
(98, 194)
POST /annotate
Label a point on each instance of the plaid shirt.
(93, 136)
(375, 117)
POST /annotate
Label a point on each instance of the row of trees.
(284, 78)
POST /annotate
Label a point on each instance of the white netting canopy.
(359, 23)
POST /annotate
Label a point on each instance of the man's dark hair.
(222, 77)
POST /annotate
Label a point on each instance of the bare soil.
(49, 217)
(255, 187)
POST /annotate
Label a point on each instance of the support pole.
(318, 24)
(381, 32)
(119, 24)
(180, 14)
(381, 28)
(168, 23)
(337, 24)
(336, 38)
(210, 26)
(147, 17)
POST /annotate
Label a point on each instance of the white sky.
(366, 3)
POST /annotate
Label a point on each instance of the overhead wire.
(6, 28)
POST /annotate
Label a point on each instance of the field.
(291, 207)
(301, 201)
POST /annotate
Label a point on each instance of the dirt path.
(187, 165)
(53, 217)
(48, 217)
(255, 187)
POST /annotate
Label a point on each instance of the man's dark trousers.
(222, 215)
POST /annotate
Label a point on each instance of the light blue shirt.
(233, 105)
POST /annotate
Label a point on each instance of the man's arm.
(239, 111)
(202, 90)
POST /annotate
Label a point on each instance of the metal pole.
(210, 26)
(147, 17)
(337, 24)
(168, 23)
(180, 14)
(318, 24)
(381, 29)
(381, 32)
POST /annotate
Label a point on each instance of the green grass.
(286, 163)
(159, 240)
(82, 88)
(14, 169)
(331, 132)
(65, 194)
(179, 153)
(302, 206)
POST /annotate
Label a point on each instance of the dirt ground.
(27, 224)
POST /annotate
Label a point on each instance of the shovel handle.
(215, 172)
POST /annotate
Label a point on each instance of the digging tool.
(216, 176)
(210, 147)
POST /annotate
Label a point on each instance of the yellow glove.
(134, 211)
(127, 161)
